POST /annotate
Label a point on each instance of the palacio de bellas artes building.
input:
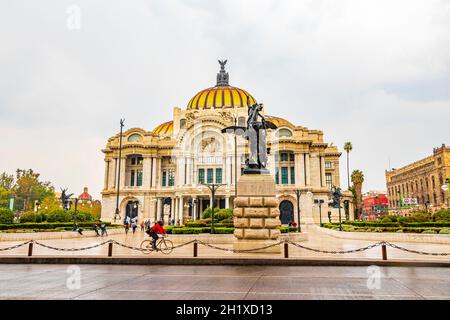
(164, 171)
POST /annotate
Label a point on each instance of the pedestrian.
(134, 226)
(103, 228)
(96, 229)
(127, 228)
(173, 221)
(80, 231)
(142, 224)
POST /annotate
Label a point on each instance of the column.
(194, 208)
(123, 171)
(158, 209)
(301, 170)
(106, 176)
(189, 171)
(228, 165)
(322, 168)
(201, 208)
(158, 172)
(180, 210)
(112, 174)
(227, 202)
(307, 170)
(172, 208)
(146, 172)
(153, 183)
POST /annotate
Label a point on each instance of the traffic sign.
(444, 187)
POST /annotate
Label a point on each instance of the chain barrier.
(235, 250)
(16, 246)
(416, 251)
(335, 251)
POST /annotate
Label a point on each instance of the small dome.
(279, 122)
(165, 128)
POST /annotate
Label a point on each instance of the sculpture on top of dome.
(222, 76)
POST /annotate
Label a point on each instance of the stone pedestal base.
(256, 214)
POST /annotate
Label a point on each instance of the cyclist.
(154, 231)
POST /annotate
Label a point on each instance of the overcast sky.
(376, 73)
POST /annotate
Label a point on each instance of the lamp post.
(213, 188)
(319, 202)
(75, 214)
(298, 193)
(117, 214)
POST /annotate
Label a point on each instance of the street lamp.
(213, 188)
(319, 202)
(75, 214)
(298, 193)
(117, 214)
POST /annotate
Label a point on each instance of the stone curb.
(127, 260)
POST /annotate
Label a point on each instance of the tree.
(6, 185)
(29, 188)
(357, 181)
(348, 147)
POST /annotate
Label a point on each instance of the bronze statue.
(256, 134)
(65, 199)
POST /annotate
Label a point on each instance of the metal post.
(297, 192)
(286, 250)
(110, 249)
(75, 215)
(383, 252)
(340, 220)
(116, 214)
(30, 249)
(195, 249)
(320, 212)
(235, 161)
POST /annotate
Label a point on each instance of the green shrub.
(48, 225)
(6, 216)
(444, 231)
(386, 219)
(224, 230)
(420, 217)
(284, 229)
(391, 217)
(187, 230)
(429, 231)
(196, 224)
(442, 215)
(29, 216)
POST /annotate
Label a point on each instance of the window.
(201, 176)
(284, 156)
(182, 123)
(132, 178)
(329, 180)
(134, 138)
(291, 157)
(164, 178)
(292, 175)
(139, 178)
(327, 164)
(219, 175)
(284, 133)
(277, 176)
(210, 177)
(284, 175)
(171, 179)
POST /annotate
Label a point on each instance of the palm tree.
(357, 181)
(348, 147)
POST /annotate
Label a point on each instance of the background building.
(421, 180)
(163, 170)
(375, 204)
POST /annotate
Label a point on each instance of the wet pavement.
(221, 282)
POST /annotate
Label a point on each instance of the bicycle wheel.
(146, 246)
(165, 246)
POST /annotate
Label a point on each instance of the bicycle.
(163, 245)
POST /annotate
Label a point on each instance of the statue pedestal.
(256, 214)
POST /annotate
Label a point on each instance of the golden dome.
(222, 95)
(165, 128)
(279, 122)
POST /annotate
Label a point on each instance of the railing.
(195, 243)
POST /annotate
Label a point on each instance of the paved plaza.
(221, 282)
(316, 239)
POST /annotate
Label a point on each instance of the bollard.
(110, 247)
(195, 249)
(30, 249)
(383, 251)
(286, 250)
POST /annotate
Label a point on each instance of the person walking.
(134, 226)
(103, 228)
(142, 225)
(127, 228)
(94, 227)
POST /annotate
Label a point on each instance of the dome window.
(135, 138)
(182, 123)
(284, 133)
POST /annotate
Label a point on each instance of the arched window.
(182, 123)
(284, 133)
(134, 137)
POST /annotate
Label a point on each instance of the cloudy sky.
(376, 73)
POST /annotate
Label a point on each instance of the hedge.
(185, 230)
(6, 216)
(50, 225)
(422, 229)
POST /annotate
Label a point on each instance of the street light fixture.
(213, 188)
(298, 194)
(117, 214)
(319, 202)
